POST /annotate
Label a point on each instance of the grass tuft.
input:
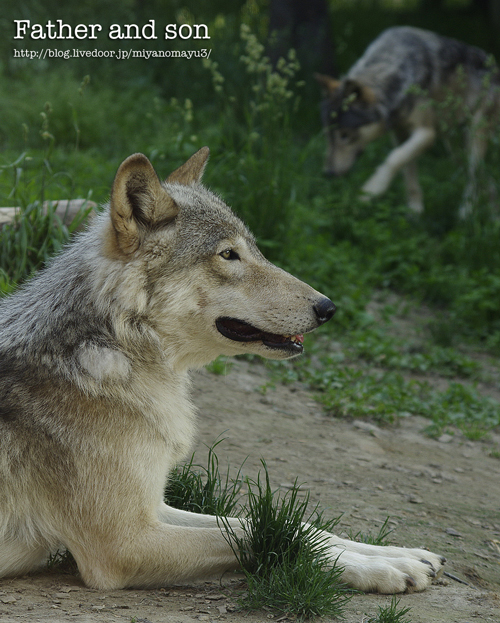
(199, 489)
(286, 560)
(377, 539)
(62, 561)
(390, 614)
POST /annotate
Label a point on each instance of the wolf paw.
(376, 574)
(386, 570)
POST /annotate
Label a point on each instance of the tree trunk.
(305, 26)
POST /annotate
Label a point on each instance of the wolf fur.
(95, 409)
(391, 88)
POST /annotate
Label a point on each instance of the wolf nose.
(324, 310)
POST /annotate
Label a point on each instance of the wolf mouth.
(241, 331)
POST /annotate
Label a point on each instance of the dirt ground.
(442, 494)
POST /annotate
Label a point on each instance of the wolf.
(394, 87)
(95, 353)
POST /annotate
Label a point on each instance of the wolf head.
(350, 119)
(204, 285)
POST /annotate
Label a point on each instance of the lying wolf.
(392, 87)
(95, 409)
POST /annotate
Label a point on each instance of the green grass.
(387, 396)
(289, 569)
(390, 614)
(31, 240)
(220, 366)
(373, 539)
(198, 489)
(62, 561)
(495, 453)
(374, 346)
(286, 563)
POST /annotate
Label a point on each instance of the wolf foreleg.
(402, 156)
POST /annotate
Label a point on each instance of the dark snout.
(324, 310)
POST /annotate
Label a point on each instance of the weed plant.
(378, 539)
(372, 345)
(199, 489)
(36, 233)
(220, 366)
(285, 558)
(386, 396)
(62, 561)
(389, 614)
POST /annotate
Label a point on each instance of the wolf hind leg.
(17, 558)
(477, 144)
(414, 195)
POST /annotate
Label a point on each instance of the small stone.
(445, 438)
(452, 532)
(415, 499)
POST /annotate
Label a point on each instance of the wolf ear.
(328, 85)
(138, 199)
(191, 171)
(361, 92)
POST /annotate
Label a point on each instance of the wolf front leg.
(369, 568)
(152, 554)
(176, 517)
(402, 156)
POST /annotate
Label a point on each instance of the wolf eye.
(229, 254)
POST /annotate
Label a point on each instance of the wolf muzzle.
(241, 331)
